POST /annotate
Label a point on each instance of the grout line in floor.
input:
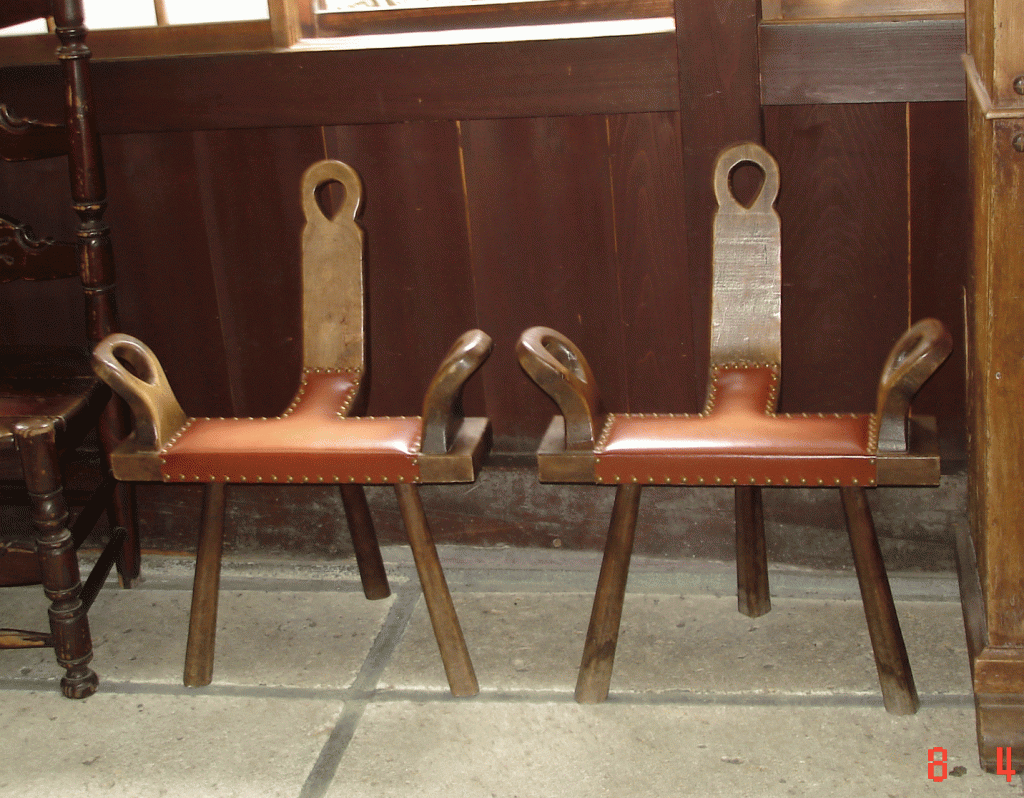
(486, 695)
(390, 635)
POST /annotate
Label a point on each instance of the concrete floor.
(318, 692)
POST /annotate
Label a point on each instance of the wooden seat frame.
(314, 441)
(49, 398)
(739, 439)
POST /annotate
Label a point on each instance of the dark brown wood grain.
(654, 277)
(841, 61)
(719, 104)
(248, 182)
(619, 74)
(940, 256)
(419, 278)
(845, 281)
(541, 221)
(167, 287)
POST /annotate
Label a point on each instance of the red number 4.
(1001, 769)
(938, 767)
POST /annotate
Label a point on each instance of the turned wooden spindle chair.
(739, 439)
(315, 441)
(49, 397)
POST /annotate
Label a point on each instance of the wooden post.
(991, 568)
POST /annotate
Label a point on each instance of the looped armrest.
(157, 412)
(562, 372)
(442, 406)
(914, 358)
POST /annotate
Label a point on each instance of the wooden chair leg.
(595, 673)
(894, 674)
(364, 541)
(122, 514)
(58, 562)
(113, 427)
(752, 593)
(202, 624)
(454, 654)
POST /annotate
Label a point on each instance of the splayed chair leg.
(603, 634)
(454, 654)
(202, 624)
(894, 674)
(364, 541)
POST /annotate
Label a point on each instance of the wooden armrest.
(914, 358)
(157, 412)
(442, 406)
(562, 372)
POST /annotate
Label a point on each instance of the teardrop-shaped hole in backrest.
(330, 197)
(745, 182)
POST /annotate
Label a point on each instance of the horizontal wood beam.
(838, 61)
(622, 74)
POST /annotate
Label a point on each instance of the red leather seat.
(739, 439)
(315, 440)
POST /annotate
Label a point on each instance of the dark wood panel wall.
(558, 183)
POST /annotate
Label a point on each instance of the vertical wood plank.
(940, 255)
(843, 203)
(719, 104)
(166, 290)
(249, 190)
(49, 313)
(419, 279)
(542, 225)
(655, 280)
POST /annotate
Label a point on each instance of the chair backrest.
(22, 255)
(332, 271)
(746, 293)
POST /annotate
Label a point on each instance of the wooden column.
(991, 565)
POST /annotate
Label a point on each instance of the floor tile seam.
(363, 697)
(670, 699)
(320, 776)
(271, 586)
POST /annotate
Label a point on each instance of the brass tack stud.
(618, 478)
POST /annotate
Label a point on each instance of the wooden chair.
(49, 398)
(314, 441)
(739, 439)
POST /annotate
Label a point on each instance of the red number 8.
(939, 763)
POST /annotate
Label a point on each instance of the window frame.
(294, 23)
